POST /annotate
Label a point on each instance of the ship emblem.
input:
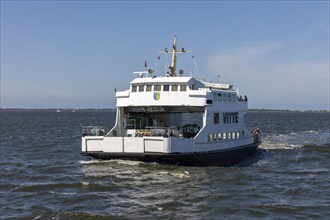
(156, 96)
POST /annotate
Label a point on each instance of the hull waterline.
(214, 158)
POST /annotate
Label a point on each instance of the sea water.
(43, 175)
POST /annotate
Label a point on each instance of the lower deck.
(160, 144)
(224, 157)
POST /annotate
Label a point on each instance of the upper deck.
(178, 91)
(163, 91)
(175, 91)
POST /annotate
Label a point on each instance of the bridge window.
(174, 88)
(141, 88)
(233, 97)
(215, 97)
(183, 88)
(229, 98)
(157, 87)
(149, 88)
(166, 88)
(134, 88)
(219, 97)
(224, 97)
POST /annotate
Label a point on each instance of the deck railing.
(94, 130)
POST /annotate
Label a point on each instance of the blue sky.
(73, 54)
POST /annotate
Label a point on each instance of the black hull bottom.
(214, 158)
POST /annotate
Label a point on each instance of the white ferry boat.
(175, 119)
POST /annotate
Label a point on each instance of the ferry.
(175, 119)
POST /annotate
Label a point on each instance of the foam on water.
(62, 193)
(295, 140)
(124, 162)
(86, 162)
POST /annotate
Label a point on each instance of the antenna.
(174, 51)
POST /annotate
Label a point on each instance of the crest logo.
(156, 96)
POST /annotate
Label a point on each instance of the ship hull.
(226, 157)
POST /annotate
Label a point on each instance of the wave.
(91, 162)
(116, 161)
(62, 193)
(296, 140)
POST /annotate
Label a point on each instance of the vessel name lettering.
(230, 117)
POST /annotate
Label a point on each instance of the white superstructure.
(175, 119)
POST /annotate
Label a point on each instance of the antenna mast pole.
(174, 51)
(173, 64)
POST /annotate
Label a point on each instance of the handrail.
(94, 131)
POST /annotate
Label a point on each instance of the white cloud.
(274, 82)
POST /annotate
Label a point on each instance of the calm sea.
(43, 175)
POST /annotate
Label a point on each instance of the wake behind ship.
(175, 119)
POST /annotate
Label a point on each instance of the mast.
(174, 52)
(173, 64)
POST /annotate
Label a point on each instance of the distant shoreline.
(114, 110)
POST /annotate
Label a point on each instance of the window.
(219, 97)
(215, 97)
(237, 134)
(166, 88)
(209, 137)
(224, 97)
(141, 88)
(216, 118)
(209, 101)
(149, 88)
(224, 136)
(233, 97)
(183, 88)
(233, 134)
(134, 88)
(229, 98)
(243, 133)
(220, 136)
(214, 137)
(157, 87)
(174, 87)
(229, 135)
